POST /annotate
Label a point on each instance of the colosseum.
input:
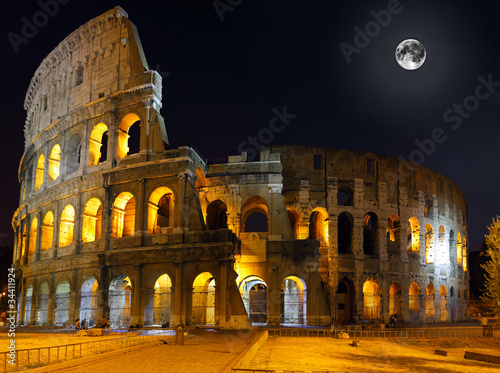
(114, 223)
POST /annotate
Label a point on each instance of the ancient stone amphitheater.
(113, 223)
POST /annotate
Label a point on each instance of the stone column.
(274, 298)
(276, 210)
(136, 314)
(140, 229)
(34, 301)
(51, 302)
(221, 295)
(176, 314)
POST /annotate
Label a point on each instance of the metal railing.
(43, 356)
(384, 334)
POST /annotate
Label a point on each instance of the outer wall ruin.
(111, 224)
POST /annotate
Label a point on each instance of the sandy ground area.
(35, 340)
(283, 353)
(203, 351)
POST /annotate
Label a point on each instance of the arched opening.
(27, 305)
(126, 145)
(318, 227)
(23, 238)
(161, 211)
(345, 301)
(372, 300)
(55, 162)
(73, 156)
(88, 301)
(123, 215)
(443, 304)
(33, 236)
(66, 226)
(464, 254)
(216, 215)
(203, 303)
(294, 222)
(370, 229)
(253, 292)
(47, 231)
(63, 291)
(413, 231)
(92, 220)
(344, 196)
(120, 301)
(345, 233)
(159, 302)
(294, 304)
(414, 302)
(442, 255)
(452, 246)
(396, 301)
(429, 244)
(254, 215)
(459, 249)
(393, 234)
(40, 167)
(429, 303)
(42, 309)
(98, 144)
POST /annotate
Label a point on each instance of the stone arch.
(123, 215)
(372, 300)
(40, 169)
(393, 234)
(161, 210)
(55, 162)
(442, 257)
(318, 226)
(294, 222)
(429, 302)
(413, 235)
(92, 220)
(414, 302)
(345, 233)
(98, 139)
(203, 300)
(47, 231)
(129, 120)
(294, 301)
(73, 153)
(370, 234)
(396, 300)
(429, 244)
(253, 290)
(63, 292)
(66, 226)
(120, 301)
(345, 301)
(33, 236)
(217, 215)
(443, 303)
(88, 300)
(28, 301)
(257, 210)
(42, 303)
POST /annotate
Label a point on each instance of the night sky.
(225, 71)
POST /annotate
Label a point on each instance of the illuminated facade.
(111, 224)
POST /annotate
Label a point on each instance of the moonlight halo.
(410, 54)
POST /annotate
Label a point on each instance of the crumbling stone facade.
(109, 226)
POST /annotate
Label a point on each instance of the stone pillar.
(22, 300)
(274, 298)
(136, 314)
(34, 301)
(384, 294)
(177, 314)
(52, 301)
(38, 237)
(57, 226)
(84, 151)
(221, 295)
(276, 211)
(140, 228)
(103, 295)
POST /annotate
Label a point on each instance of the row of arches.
(422, 306)
(128, 129)
(157, 308)
(160, 219)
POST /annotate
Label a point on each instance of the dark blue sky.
(226, 76)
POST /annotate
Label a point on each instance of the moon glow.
(410, 54)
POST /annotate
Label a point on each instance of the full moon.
(410, 54)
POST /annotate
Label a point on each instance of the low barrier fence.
(43, 356)
(385, 334)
